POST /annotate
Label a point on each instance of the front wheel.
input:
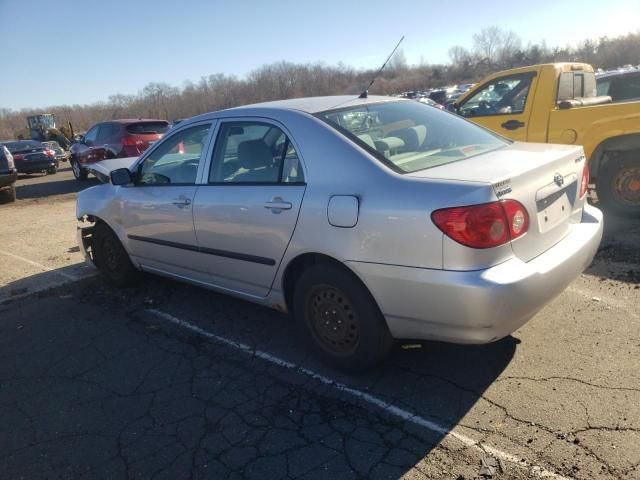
(618, 184)
(341, 318)
(78, 172)
(110, 257)
(10, 194)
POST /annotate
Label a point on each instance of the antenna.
(366, 91)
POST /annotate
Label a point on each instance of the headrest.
(413, 137)
(254, 154)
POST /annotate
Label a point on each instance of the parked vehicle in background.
(439, 96)
(621, 86)
(8, 175)
(367, 218)
(31, 156)
(60, 154)
(431, 103)
(114, 139)
(558, 103)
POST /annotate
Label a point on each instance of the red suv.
(115, 139)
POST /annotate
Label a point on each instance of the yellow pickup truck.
(557, 103)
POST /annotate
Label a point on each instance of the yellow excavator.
(43, 128)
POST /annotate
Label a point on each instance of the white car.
(369, 219)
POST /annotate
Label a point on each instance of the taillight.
(584, 185)
(17, 156)
(49, 153)
(483, 226)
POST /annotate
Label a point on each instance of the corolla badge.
(558, 179)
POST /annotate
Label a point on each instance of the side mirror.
(453, 107)
(121, 176)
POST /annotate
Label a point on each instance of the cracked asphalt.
(95, 384)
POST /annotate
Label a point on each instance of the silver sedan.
(368, 219)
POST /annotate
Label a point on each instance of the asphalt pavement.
(165, 380)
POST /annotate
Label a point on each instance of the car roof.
(616, 73)
(317, 104)
(134, 120)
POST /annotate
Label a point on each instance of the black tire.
(341, 318)
(9, 195)
(110, 257)
(52, 170)
(618, 184)
(78, 172)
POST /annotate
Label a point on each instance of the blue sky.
(81, 52)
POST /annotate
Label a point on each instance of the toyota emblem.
(558, 179)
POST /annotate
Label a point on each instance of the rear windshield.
(22, 145)
(148, 127)
(409, 136)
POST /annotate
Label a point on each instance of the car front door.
(501, 105)
(246, 214)
(83, 150)
(156, 211)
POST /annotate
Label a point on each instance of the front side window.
(175, 161)
(507, 95)
(409, 136)
(254, 153)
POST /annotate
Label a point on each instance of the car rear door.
(156, 211)
(246, 213)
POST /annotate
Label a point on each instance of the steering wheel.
(485, 106)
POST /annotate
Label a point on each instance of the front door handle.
(512, 124)
(181, 201)
(277, 205)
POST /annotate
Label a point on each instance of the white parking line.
(39, 265)
(389, 408)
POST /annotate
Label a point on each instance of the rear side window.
(142, 128)
(576, 85)
(254, 153)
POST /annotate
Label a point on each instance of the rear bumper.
(479, 306)
(7, 178)
(33, 166)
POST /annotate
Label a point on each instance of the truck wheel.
(618, 184)
(341, 318)
(110, 257)
(78, 172)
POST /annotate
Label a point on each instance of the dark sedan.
(32, 157)
(8, 174)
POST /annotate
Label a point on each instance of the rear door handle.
(278, 204)
(181, 201)
(512, 124)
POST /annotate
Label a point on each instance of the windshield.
(409, 136)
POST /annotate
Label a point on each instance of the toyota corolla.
(368, 219)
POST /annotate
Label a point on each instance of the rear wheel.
(618, 184)
(52, 170)
(78, 172)
(341, 318)
(111, 258)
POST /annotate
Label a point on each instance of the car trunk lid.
(545, 179)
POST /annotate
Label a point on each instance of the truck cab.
(558, 103)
